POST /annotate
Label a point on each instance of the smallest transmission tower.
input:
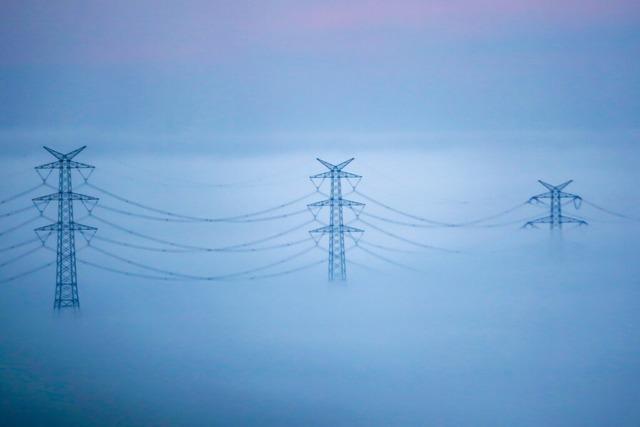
(336, 228)
(555, 196)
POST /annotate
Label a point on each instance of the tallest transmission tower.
(65, 227)
(336, 227)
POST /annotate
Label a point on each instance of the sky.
(452, 109)
(220, 76)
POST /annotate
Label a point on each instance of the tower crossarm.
(337, 167)
(73, 227)
(537, 197)
(338, 202)
(549, 195)
(51, 227)
(336, 229)
(564, 195)
(551, 187)
(335, 174)
(52, 165)
(68, 156)
(71, 164)
(64, 196)
(568, 219)
(543, 220)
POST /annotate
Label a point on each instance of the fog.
(520, 327)
(453, 111)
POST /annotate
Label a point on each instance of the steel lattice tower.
(66, 274)
(555, 196)
(336, 227)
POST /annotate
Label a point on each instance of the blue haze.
(214, 108)
(515, 329)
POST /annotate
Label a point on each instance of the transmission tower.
(555, 196)
(336, 228)
(66, 275)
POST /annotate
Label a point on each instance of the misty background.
(453, 111)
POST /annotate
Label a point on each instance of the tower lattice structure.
(336, 228)
(66, 294)
(555, 195)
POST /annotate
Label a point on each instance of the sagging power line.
(337, 228)
(66, 290)
(193, 218)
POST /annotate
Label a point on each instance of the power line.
(470, 224)
(364, 266)
(392, 209)
(476, 225)
(183, 220)
(22, 193)
(610, 212)
(26, 273)
(19, 245)
(5, 177)
(143, 216)
(384, 247)
(203, 248)
(202, 278)
(404, 239)
(177, 279)
(166, 250)
(21, 256)
(388, 260)
(429, 223)
(490, 217)
(201, 219)
(503, 224)
(19, 226)
(127, 273)
(15, 211)
(286, 272)
(404, 223)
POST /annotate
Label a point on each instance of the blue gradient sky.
(224, 75)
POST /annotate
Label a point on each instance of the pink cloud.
(209, 30)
